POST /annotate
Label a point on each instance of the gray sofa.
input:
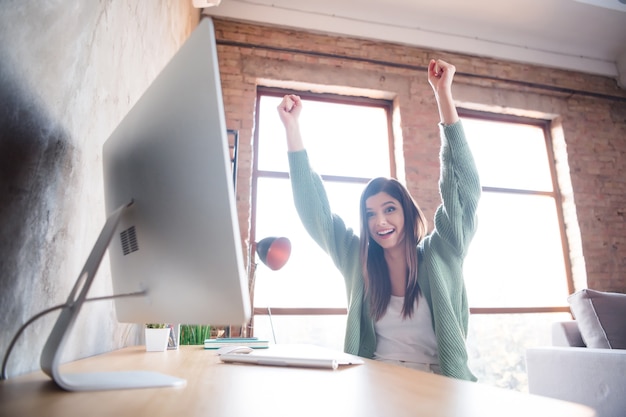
(569, 371)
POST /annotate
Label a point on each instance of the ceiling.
(578, 35)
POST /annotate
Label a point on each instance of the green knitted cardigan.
(440, 253)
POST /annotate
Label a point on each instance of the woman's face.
(385, 220)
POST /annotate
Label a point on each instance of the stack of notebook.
(251, 342)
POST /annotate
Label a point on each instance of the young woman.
(406, 295)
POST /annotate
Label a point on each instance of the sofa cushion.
(601, 318)
(567, 333)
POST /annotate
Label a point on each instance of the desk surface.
(218, 389)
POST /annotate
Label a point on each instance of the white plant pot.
(156, 339)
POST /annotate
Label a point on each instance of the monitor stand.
(51, 355)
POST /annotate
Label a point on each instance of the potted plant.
(194, 334)
(157, 337)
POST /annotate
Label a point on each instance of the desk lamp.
(273, 252)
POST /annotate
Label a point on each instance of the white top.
(406, 339)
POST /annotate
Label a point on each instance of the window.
(519, 245)
(348, 144)
(517, 271)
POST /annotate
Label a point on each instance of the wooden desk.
(218, 389)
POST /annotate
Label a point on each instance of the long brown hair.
(375, 270)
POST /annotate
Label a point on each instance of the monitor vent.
(129, 240)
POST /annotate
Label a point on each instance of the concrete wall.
(69, 72)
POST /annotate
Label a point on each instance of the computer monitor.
(172, 230)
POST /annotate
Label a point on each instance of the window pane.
(272, 146)
(309, 279)
(516, 257)
(497, 345)
(509, 155)
(341, 139)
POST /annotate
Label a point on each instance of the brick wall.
(589, 115)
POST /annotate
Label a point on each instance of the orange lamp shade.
(274, 251)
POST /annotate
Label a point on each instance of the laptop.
(298, 355)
